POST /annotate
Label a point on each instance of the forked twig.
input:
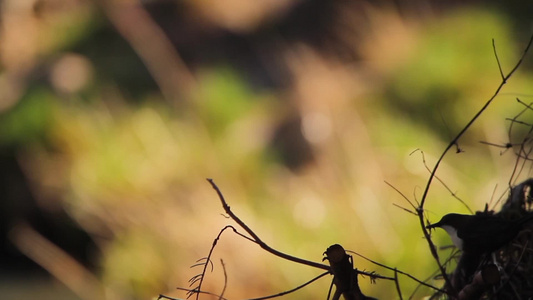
(200, 277)
(403, 196)
(225, 280)
(255, 238)
(454, 194)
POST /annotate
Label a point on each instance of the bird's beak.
(433, 225)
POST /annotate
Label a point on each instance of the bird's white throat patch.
(452, 232)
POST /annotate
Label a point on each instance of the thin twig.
(497, 59)
(524, 158)
(492, 195)
(397, 284)
(509, 277)
(225, 280)
(518, 122)
(442, 182)
(404, 209)
(294, 289)
(505, 146)
(200, 277)
(397, 271)
(330, 289)
(257, 240)
(401, 194)
(501, 197)
(201, 292)
(167, 297)
(201, 263)
(446, 262)
(519, 157)
(469, 124)
(529, 106)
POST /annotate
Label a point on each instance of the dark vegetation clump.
(505, 273)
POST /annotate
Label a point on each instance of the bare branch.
(257, 240)
(401, 194)
(397, 284)
(420, 210)
(442, 182)
(469, 124)
(200, 277)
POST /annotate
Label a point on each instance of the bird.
(481, 233)
(476, 236)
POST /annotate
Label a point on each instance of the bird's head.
(452, 220)
(452, 223)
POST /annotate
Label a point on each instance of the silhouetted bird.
(477, 235)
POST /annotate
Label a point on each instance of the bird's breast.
(452, 232)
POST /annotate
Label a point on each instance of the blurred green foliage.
(136, 167)
(29, 121)
(440, 84)
(224, 99)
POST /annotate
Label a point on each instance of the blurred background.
(113, 113)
